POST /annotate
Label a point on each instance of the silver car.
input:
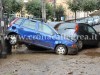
(90, 20)
(96, 19)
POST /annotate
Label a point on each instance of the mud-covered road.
(25, 62)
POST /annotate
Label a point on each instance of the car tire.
(80, 44)
(13, 39)
(61, 50)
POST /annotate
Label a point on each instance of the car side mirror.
(13, 27)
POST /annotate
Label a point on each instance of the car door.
(87, 34)
(93, 36)
(90, 36)
(45, 36)
(27, 31)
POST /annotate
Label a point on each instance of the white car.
(90, 20)
(96, 19)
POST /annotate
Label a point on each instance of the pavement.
(44, 62)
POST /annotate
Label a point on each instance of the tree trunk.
(84, 14)
(7, 17)
(87, 13)
(75, 16)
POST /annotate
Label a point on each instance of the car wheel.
(61, 50)
(13, 39)
(80, 44)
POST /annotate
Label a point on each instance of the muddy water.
(25, 62)
(94, 52)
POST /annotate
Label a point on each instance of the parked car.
(37, 33)
(90, 21)
(97, 28)
(81, 21)
(84, 34)
(52, 24)
(96, 20)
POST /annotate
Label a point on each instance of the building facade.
(69, 14)
(23, 12)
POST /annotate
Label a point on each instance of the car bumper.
(72, 50)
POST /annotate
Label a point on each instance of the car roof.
(29, 19)
(68, 23)
(53, 24)
(57, 24)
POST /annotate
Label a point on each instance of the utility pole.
(1, 8)
(54, 3)
(43, 10)
(3, 49)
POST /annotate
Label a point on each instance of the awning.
(95, 13)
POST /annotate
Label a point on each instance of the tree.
(49, 11)
(74, 6)
(59, 12)
(88, 5)
(97, 4)
(34, 8)
(12, 6)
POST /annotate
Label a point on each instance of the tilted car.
(36, 33)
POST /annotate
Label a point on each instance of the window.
(88, 29)
(29, 24)
(45, 29)
(67, 26)
(19, 21)
(91, 30)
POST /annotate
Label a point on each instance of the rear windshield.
(19, 21)
(64, 26)
(61, 28)
(67, 25)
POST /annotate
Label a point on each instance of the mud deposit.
(25, 62)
